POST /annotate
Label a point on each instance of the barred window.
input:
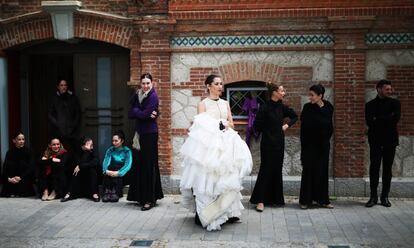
(236, 94)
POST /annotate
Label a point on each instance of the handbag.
(135, 142)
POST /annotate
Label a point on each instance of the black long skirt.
(315, 176)
(269, 183)
(84, 184)
(23, 188)
(145, 182)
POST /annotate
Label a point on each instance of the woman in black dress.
(146, 189)
(270, 121)
(18, 169)
(315, 134)
(83, 181)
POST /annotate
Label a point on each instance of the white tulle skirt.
(215, 163)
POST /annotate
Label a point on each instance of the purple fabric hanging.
(250, 107)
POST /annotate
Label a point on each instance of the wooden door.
(104, 96)
(44, 73)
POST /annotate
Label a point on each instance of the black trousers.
(56, 181)
(113, 182)
(377, 154)
(85, 183)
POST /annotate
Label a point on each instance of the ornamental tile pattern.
(389, 38)
(250, 41)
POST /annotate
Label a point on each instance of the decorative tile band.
(389, 38)
(250, 41)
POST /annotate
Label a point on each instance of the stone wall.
(397, 66)
(314, 67)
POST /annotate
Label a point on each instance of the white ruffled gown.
(215, 163)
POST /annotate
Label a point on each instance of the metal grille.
(237, 95)
(142, 243)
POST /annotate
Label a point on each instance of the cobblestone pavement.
(83, 223)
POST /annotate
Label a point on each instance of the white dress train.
(215, 162)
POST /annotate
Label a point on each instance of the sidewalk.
(83, 223)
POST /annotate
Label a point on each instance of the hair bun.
(271, 86)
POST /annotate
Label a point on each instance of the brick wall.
(402, 79)
(107, 30)
(349, 113)
(242, 10)
(155, 59)
(197, 78)
(37, 28)
(10, 8)
(270, 4)
(148, 41)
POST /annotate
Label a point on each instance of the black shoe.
(372, 202)
(96, 199)
(147, 207)
(197, 220)
(106, 196)
(385, 202)
(113, 196)
(233, 220)
(65, 199)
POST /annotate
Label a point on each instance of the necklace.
(221, 125)
(218, 107)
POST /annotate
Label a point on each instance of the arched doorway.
(96, 72)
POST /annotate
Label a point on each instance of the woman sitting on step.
(117, 162)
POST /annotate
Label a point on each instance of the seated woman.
(18, 169)
(117, 162)
(52, 176)
(84, 176)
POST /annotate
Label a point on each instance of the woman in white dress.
(215, 160)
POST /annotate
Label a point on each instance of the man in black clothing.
(64, 116)
(382, 115)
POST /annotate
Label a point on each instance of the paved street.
(83, 223)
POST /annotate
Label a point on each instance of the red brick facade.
(145, 27)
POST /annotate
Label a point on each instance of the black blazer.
(382, 116)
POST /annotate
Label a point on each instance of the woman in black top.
(315, 134)
(270, 122)
(18, 169)
(84, 176)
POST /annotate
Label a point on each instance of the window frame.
(238, 88)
